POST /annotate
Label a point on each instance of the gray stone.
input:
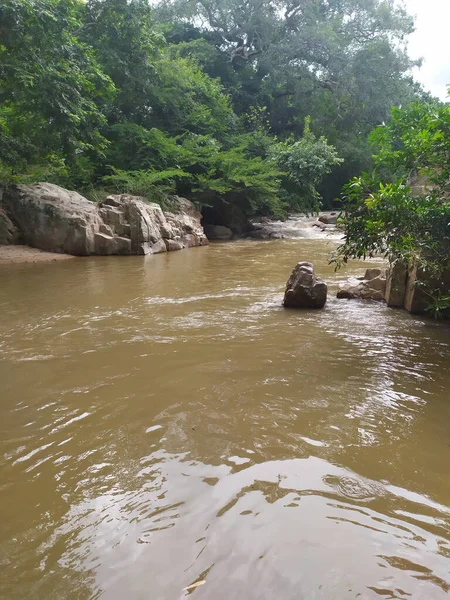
(52, 218)
(107, 245)
(373, 272)
(172, 245)
(9, 234)
(416, 300)
(328, 219)
(303, 289)
(396, 284)
(106, 229)
(363, 289)
(159, 247)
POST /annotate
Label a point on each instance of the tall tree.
(51, 84)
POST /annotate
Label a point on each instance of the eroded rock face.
(396, 284)
(54, 219)
(370, 287)
(9, 234)
(304, 289)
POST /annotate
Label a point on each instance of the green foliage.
(408, 218)
(185, 99)
(154, 185)
(304, 164)
(239, 177)
(211, 95)
(343, 62)
(51, 83)
(127, 46)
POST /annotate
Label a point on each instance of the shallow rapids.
(165, 423)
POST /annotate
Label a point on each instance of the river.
(164, 422)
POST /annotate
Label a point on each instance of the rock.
(159, 247)
(328, 219)
(51, 218)
(106, 244)
(396, 285)
(218, 232)
(416, 300)
(371, 287)
(9, 234)
(303, 289)
(372, 273)
(322, 226)
(106, 229)
(185, 221)
(172, 245)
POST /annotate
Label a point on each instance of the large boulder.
(9, 234)
(185, 221)
(370, 287)
(396, 284)
(328, 219)
(54, 219)
(304, 289)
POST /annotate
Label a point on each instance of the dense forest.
(267, 104)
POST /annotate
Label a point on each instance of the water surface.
(164, 422)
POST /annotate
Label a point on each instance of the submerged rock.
(51, 218)
(328, 219)
(304, 289)
(370, 287)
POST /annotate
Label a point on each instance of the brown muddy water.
(165, 422)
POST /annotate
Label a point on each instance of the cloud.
(430, 41)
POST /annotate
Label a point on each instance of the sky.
(431, 42)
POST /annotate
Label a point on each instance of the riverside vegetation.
(266, 106)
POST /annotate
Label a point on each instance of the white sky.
(431, 41)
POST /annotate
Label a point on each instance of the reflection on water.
(165, 422)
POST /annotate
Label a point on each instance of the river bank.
(18, 254)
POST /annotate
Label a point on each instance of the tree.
(128, 46)
(343, 62)
(304, 164)
(402, 210)
(51, 86)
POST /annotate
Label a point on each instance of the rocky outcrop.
(397, 276)
(9, 234)
(51, 218)
(370, 287)
(407, 287)
(304, 289)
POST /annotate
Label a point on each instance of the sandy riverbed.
(26, 254)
